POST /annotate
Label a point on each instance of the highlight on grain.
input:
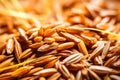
(59, 39)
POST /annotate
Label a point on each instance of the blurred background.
(34, 13)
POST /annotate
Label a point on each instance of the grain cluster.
(59, 40)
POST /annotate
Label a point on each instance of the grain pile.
(59, 39)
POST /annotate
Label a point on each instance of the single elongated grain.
(66, 45)
(10, 46)
(21, 71)
(18, 50)
(6, 63)
(46, 72)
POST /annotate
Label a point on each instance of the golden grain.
(66, 45)
(59, 39)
